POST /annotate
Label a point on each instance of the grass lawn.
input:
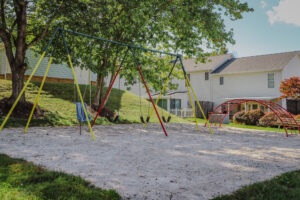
(21, 180)
(58, 100)
(283, 187)
(231, 124)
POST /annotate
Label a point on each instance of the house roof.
(191, 65)
(270, 62)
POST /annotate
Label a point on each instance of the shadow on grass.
(69, 93)
(50, 119)
(20, 178)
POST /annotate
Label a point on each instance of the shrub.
(238, 117)
(249, 118)
(297, 117)
(108, 113)
(270, 119)
(252, 117)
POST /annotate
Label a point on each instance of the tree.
(186, 27)
(23, 23)
(290, 88)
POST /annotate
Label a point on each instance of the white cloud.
(287, 12)
(263, 4)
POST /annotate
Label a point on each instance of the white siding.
(201, 86)
(55, 71)
(245, 86)
(3, 62)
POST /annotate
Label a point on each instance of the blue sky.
(273, 27)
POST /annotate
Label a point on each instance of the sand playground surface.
(145, 164)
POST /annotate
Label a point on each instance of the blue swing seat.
(80, 112)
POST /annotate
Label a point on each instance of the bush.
(249, 118)
(252, 117)
(238, 117)
(270, 119)
(108, 113)
(297, 117)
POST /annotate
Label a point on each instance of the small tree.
(290, 88)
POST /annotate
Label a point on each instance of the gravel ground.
(144, 164)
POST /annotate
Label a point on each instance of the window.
(221, 80)
(206, 76)
(163, 103)
(175, 104)
(254, 106)
(189, 105)
(189, 76)
(271, 80)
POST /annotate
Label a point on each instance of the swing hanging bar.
(77, 86)
(117, 43)
(195, 96)
(41, 87)
(163, 88)
(142, 77)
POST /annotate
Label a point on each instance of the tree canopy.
(186, 27)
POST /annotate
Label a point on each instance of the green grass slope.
(21, 180)
(58, 101)
(283, 187)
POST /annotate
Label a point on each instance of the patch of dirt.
(22, 110)
(145, 164)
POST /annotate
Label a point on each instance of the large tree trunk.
(18, 82)
(101, 83)
(17, 61)
(99, 93)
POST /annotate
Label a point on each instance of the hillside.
(58, 101)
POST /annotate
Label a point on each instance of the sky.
(273, 27)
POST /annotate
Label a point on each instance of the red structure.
(287, 119)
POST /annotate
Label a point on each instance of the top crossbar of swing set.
(117, 43)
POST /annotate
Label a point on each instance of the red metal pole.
(105, 98)
(162, 125)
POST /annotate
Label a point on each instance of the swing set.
(130, 48)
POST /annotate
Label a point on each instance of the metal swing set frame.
(130, 48)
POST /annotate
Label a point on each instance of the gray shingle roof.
(212, 61)
(270, 62)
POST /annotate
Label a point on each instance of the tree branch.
(48, 23)
(8, 47)
(3, 21)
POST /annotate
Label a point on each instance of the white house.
(225, 77)
(255, 77)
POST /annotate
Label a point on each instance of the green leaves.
(186, 27)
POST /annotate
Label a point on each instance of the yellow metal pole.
(187, 85)
(157, 100)
(22, 91)
(80, 96)
(199, 105)
(38, 95)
